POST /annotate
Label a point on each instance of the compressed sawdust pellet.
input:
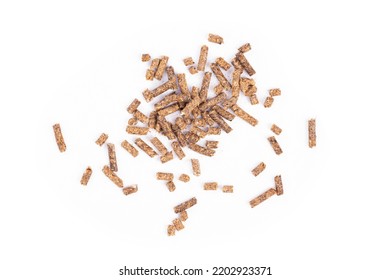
(171, 230)
(201, 150)
(236, 82)
(152, 69)
(168, 99)
(112, 157)
(188, 61)
(130, 148)
(213, 38)
(172, 77)
(185, 205)
(312, 133)
(222, 63)
(245, 64)
(195, 167)
(205, 86)
(171, 186)
(214, 131)
(150, 94)
(211, 186)
(227, 189)
(145, 147)
(145, 57)
(184, 178)
(258, 169)
(132, 121)
(199, 122)
(275, 92)
(223, 113)
(164, 176)
(220, 76)
(178, 150)
(192, 137)
(236, 64)
(212, 144)
(168, 110)
(202, 58)
(183, 216)
(180, 137)
(86, 175)
(102, 139)
(192, 70)
(141, 117)
(259, 199)
(196, 130)
(161, 67)
(253, 99)
(229, 102)
(218, 89)
(181, 79)
(152, 120)
(275, 145)
(278, 184)
(112, 176)
(137, 130)
(130, 189)
(166, 127)
(207, 118)
(245, 48)
(268, 101)
(244, 115)
(222, 124)
(190, 106)
(178, 224)
(59, 138)
(167, 157)
(212, 102)
(276, 129)
(159, 145)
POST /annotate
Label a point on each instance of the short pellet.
(278, 184)
(161, 67)
(227, 189)
(275, 92)
(268, 101)
(185, 205)
(276, 129)
(171, 186)
(275, 145)
(245, 48)
(183, 216)
(137, 130)
(167, 157)
(178, 150)
(152, 69)
(130, 189)
(195, 167)
(102, 139)
(145, 147)
(212, 144)
(112, 157)
(210, 186)
(245, 64)
(130, 148)
(192, 70)
(184, 178)
(133, 106)
(145, 57)
(178, 224)
(213, 38)
(164, 176)
(312, 133)
(188, 61)
(171, 230)
(264, 196)
(214, 131)
(86, 175)
(112, 176)
(258, 169)
(222, 63)
(59, 138)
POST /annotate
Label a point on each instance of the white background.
(78, 63)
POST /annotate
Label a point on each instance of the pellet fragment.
(132, 121)
(258, 169)
(137, 130)
(145, 57)
(201, 150)
(59, 138)
(211, 186)
(253, 99)
(171, 186)
(275, 92)
(130, 148)
(166, 157)
(192, 70)
(245, 64)
(275, 145)
(202, 58)
(228, 103)
(259, 199)
(223, 113)
(102, 139)
(213, 38)
(222, 63)
(185, 205)
(152, 69)
(161, 67)
(221, 122)
(214, 131)
(164, 176)
(178, 150)
(168, 110)
(278, 184)
(312, 133)
(112, 157)
(130, 189)
(276, 129)
(181, 78)
(184, 178)
(183, 216)
(178, 224)
(244, 48)
(199, 122)
(268, 101)
(195, 166)
(112, 176)
(212, 102)
(236, 64)
(196, 112)
(220, 76)
(145, 147)
(159, 145)
(227, 189)
(244, 115)
(205, 86)
(212, 144)
(188, 61)
(192, 137)
(245, 84)
(86, 175)
(150, 94)
(171, 230)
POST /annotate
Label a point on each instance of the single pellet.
(179, 135)
(199, 122)
(172, 77)
(312, 133)
(214, 131)
(278, 184)
(229, 102)
(166, 157)
(169, 110)
(244, 48)
(212, 102)
(145, 147)
(207, 118)
(159, 145)
(102, 139)
(164, 176)
(222, 63)
(152, 69)
(223, 113)
(171, 186)
(201, 150)
(227, 189)
(178, 150)
(211, 186)
(192, 70)
(268, 101)
(161, 67)
(190, 106)
(220, 76)
(205, 86)
(275, 92)
(137, 130)
(245, 64)
(275, 145)
(152, 120)
(181, 79)
(192, 137)
(188, 61)
(185, 205)
(198, 131)
(130, 189)
(236, 82)
(195, 167)
(130, 148)
(184, 178)
(276, 129)
(236, 64)
(112, 176)
(145, 57)
(183, 216)
(218, 89)
(141, 117)
(86, 175)
(171, 230)
(221, 122)
(112, 157)
(259, 199)
(212, 144)
(166, 128)
(178, 224)
(202, 58)
(213, 38)
(59, 137)
(253, 99)
(258, 169)
(244, 115)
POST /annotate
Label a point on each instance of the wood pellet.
(102, 139)
(145, 57)
(210, 186)
(137, 130)
(184, 178)
(178, 224)
(275, 145)
(245, 64)
(159, 145)
(183, 216)
(275, 92)
(202, 58)
(112, 157)
(161, 67)
(112, 176)
(152, 69)
(212, 144)
(164, 176)
(227, 189)
(166, 157)
(133, 106)
(195, 167)
(145, 147)
(188, 61)
(213, 38)
(312, 133)
(185, 205)
(201, 150)
(222, 63)
(245, 48)
(178, 150)
(276, 129)
(264, 196)
(130, 148)
(130, 189)
(244, 115)
(86, 175)
(171, 230)
(171, 186)
(278, 184)
(258, 169)
(59, 138)
(268, 101)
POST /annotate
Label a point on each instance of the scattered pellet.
(171, 186)
(152, 120)
(185, 205)
(166, 128)
(213, 38)
(181, 79)
(130, 148)
(244, 48)
(178, 224)
(192, 70)
(244, 115)
(202, 58)
(169, 99)
(102, 139)
(178, 150)
(259, 199)
(212, 102)
(59, 138)
(159, 145)
(199, 122)
(112, 157)
(179, 135)
(145, 57)
(221, 122)
(214, 131)
(145, 147)
(218, 89)
(205, 86)
(152, 69)
(211, 186)
(180, 123)
(276, 129)
(246, 84)
(312, 133)
(200, 132)
(222, 63)
(275, 92)
(275, 145)
(192, 137)
(212, 144)
(132, 121)
(236, 64)
(201, 150)
(227, 189)
(278, 184)
(130, 189)
(169, 110)
(161, 67)
(268, 101)
(183, 216)
(245, 64)
(112, 176)
(207, 118)
(150, 94)
(236, 82)
(172, 77)
(258, 169)
(87, 174)
(167, 157)
(196, 112)
(188, 61)
(164, 176)
(137, 130)
(141, 117)
(171, 230)
(228, 103)
(195, 166)
(253, 99)
(223, 113)
(220, 76)
(184, 178)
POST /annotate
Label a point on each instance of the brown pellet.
(178, 150)
(141, 117)
(245, 64)
(150, 94)
(112, 157)
(245, 48)
(169, 110)
(190, 106)
(195, 167)
(227, 189)
(192, 70)
(181, 79)
(137, 130)
(312, 133)
(166, 128)
(179, 135)
(213, 38)
(212, 102)
(276, 129)
(220, 76)
(102, 139)
(212, 144)
(275, 92)
(253, 99)
(275, 145)
(207, 118)
(183, 216)
(112, 176)
(180, 123)
(145, 57)
(244, 115)
(168, 99)
(59, 138)
(130, 189)
(161, 67)
(228, 103)
(199, 122)
(130, 148)
(218, 89)
(223, 113)
(236, 82)
(214, 131)
(198, 131)
(172, 77)
(152, 69)
(164, 176)
(185, 205)
(184, 178)
(192, 137)
(171, 186)
(245, 84)
(178, 224)
(132, 121)
(268, 101)
(201, 150)
(86, 175)
(211, 186)
(258, 169)
(278, 184)
(222, 63)
(188, 61)
(221, 122)
(205, 86)
(171, 230)
(259, 199)
(236, 64)
(152, 120)
(166, 157)
(202, 58)
(145, 147)
(159, 145)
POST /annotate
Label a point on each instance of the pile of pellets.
(193, 115)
